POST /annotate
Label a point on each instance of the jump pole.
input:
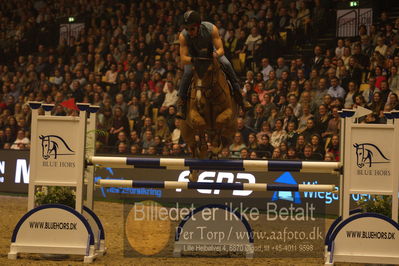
(222, 186)
(218, 165)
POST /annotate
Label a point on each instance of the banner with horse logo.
(57, 149)
(371, 154)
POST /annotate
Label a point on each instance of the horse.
(368, 154)
(51, 146)
(212, 112)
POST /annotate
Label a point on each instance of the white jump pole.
(219, 165)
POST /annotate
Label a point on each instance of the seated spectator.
(170, 97)
(289, 117)
(329, 157)
(376, 105)
(310, 130)
(283, 149)
(317, 146)
(253, 155)
(303, 120)
(122, 148)
(336, 91)
(279, 134)
(333, 148)
(162, 129)
(135, 149)
(236, 146)
(276, 155)
(379, 76)
(177, 150)
(292, 135)
(21, 142)
(147, 141)
(393, 80)
(308, 154)
(119, 123)
(243, 129)
(224, 154)
(334, 124)
(291, 154)
(244, 154)
(122, 138)
(321, 118)
(265, 129)
(252, 142)
(350, 95)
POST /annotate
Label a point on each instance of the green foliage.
(55, 194)
(378, 204)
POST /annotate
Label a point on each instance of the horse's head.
(45, 146)
(48, 147)
(205, 64)
(363, 155)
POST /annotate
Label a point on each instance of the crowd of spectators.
(126, 60)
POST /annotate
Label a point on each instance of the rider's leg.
(183, 91)
(231, 75)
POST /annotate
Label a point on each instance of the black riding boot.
(181, 109)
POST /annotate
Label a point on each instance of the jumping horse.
(211, 118)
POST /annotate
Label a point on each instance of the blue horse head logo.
(368, 154)
(53, 145)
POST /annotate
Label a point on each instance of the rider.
(196, 36)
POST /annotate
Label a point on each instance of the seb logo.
(220, 177)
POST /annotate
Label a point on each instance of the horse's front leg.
(224, 118)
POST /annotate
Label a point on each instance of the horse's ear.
(41, 137)
(356, 145)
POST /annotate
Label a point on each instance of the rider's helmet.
(191, 18)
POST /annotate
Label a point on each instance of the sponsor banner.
(14, 171)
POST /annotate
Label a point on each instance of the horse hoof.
(193, 176)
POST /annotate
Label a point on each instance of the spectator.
(276, 154)
(265, 130)
(252, 142)
(265, 149)
(236, 146)
(119, 123)
(21, 142)
(279, 134)
(333, 148)
(243, 129)
(281, 67)
(317, 147)
(162, 129)
(393, 79)
(147, 141)
(244, 154)
(266, 69)
(318, 58)
(369, 92)
(336, 90)
(308, 154)
(170, 97)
